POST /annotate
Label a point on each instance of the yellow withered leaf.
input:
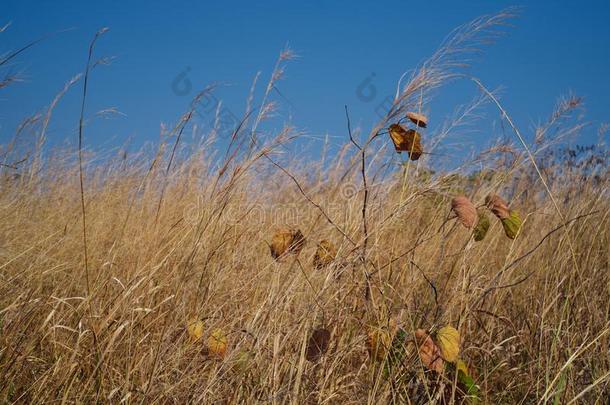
(418, 119)
(217, 343)
(406, 140)
(448, 340)
(325, 254)
(512, 224)
(286, 240)
(195, 329)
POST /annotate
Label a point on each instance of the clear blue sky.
(554, 47)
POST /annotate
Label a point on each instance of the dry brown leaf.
(286, 241)
(406, 140)
(497, 205)
(379, 341)
(418, 119)
(325, 254)
(318, 344)
(429, 352)
(465, 211)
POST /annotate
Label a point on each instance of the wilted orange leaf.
(217, 343)
(429, 352)
(325, 254)
(285, 241)
(378, 342)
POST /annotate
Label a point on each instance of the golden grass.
(186, 238)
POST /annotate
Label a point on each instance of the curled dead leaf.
(318, 344)
(465, 211)
(497, 205)
(418, 119)
(429, 352)
(217, 343)
(325, 254)
(194, 329)
(482, 227)
(406, 140)
(285, 241)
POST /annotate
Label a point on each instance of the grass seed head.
(378, 342)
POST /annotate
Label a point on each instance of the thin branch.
(367, 293)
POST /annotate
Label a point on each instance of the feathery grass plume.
(448, 340)
(418, 119)
(480, 231)
(286, 241)
(217, 343)
(445, 63)
(512, 224)
(317, 344)
(429, 353)
(325, 254)
(498, 206)
(406, 140)
(465, 210)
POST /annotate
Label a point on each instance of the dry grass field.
(148, 277)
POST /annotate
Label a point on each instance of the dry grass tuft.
(179, 300)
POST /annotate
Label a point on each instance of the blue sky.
(554, 47)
